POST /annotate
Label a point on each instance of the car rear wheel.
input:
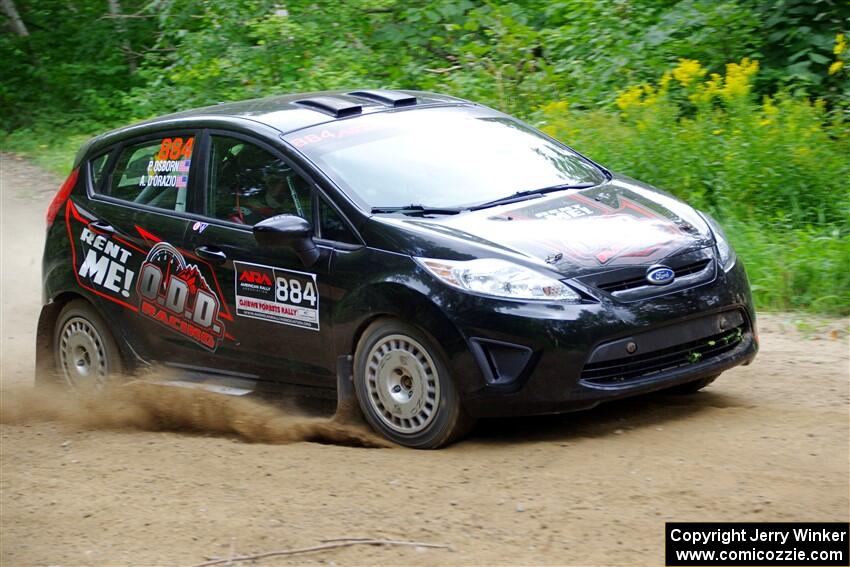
(404, 387)
(85, 352)
(692, 387)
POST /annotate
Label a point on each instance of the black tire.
(86, 355)
(693, 387)
(404, 387)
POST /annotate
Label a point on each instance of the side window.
(98, 169)
(332, 225)
(248, 184)
(153, 173)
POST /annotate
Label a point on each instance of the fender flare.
(400, 301)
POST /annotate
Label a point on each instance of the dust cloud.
(148, 406)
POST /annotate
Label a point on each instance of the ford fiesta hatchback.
(441, 259)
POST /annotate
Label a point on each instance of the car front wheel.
(404, 387)
(85, 352)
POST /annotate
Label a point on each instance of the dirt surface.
(768, 442)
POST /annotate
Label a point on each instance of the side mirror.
(291, 231)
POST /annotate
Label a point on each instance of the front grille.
(638, 367)
(694, 268)
(635, 282)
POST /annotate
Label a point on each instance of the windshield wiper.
(529, 194)
(417, 210)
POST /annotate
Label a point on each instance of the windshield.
(439, 157)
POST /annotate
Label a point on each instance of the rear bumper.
(582, 355)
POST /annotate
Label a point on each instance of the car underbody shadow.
(645, 411)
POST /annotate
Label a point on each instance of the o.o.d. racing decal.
(146, 275)
(176, 295)
(277, 295)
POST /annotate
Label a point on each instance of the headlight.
(724, 250)
(498, 278)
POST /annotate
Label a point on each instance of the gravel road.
(768, 442)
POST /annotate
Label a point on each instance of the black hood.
(620, 223)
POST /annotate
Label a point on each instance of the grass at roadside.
(795, 268)
(53, 151)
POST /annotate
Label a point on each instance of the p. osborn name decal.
(280, 296)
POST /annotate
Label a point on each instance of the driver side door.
(276, 322)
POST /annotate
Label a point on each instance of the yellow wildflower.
(630, 97)
(687, 71)
(638, 96)
(651, 95)
(840, 44)
(665, 80)
(769, 109)
(738, 78)
(708, 90)
(835, 67)
(717, 132)
(560, 106)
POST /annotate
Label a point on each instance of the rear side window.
(98, 169)
(248, 184)
(153, 173)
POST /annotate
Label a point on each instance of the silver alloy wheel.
(402, 383)
(82, 355)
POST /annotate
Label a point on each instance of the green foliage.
(80, 64)
(776, 173)
(773, 170)
(795, 268)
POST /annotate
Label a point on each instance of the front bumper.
(578, 356)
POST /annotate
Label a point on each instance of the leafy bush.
(80, 63)
(775, 171)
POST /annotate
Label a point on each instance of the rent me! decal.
(280, 296)
(147, 276)
(105, 264)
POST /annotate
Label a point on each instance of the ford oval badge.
(660, 275)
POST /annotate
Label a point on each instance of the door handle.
(211, 254)
(103, 227)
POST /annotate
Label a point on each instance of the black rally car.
(449, 260)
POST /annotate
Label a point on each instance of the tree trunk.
(18, 24)
(20, 29)
(121, 27)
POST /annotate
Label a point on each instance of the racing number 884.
(290, 290)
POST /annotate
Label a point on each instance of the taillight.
(61, 197)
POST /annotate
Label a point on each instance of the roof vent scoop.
(336, 107)
(389, 98)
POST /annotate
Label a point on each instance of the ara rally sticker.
(277, 295)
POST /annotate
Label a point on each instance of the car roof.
(290, 112)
